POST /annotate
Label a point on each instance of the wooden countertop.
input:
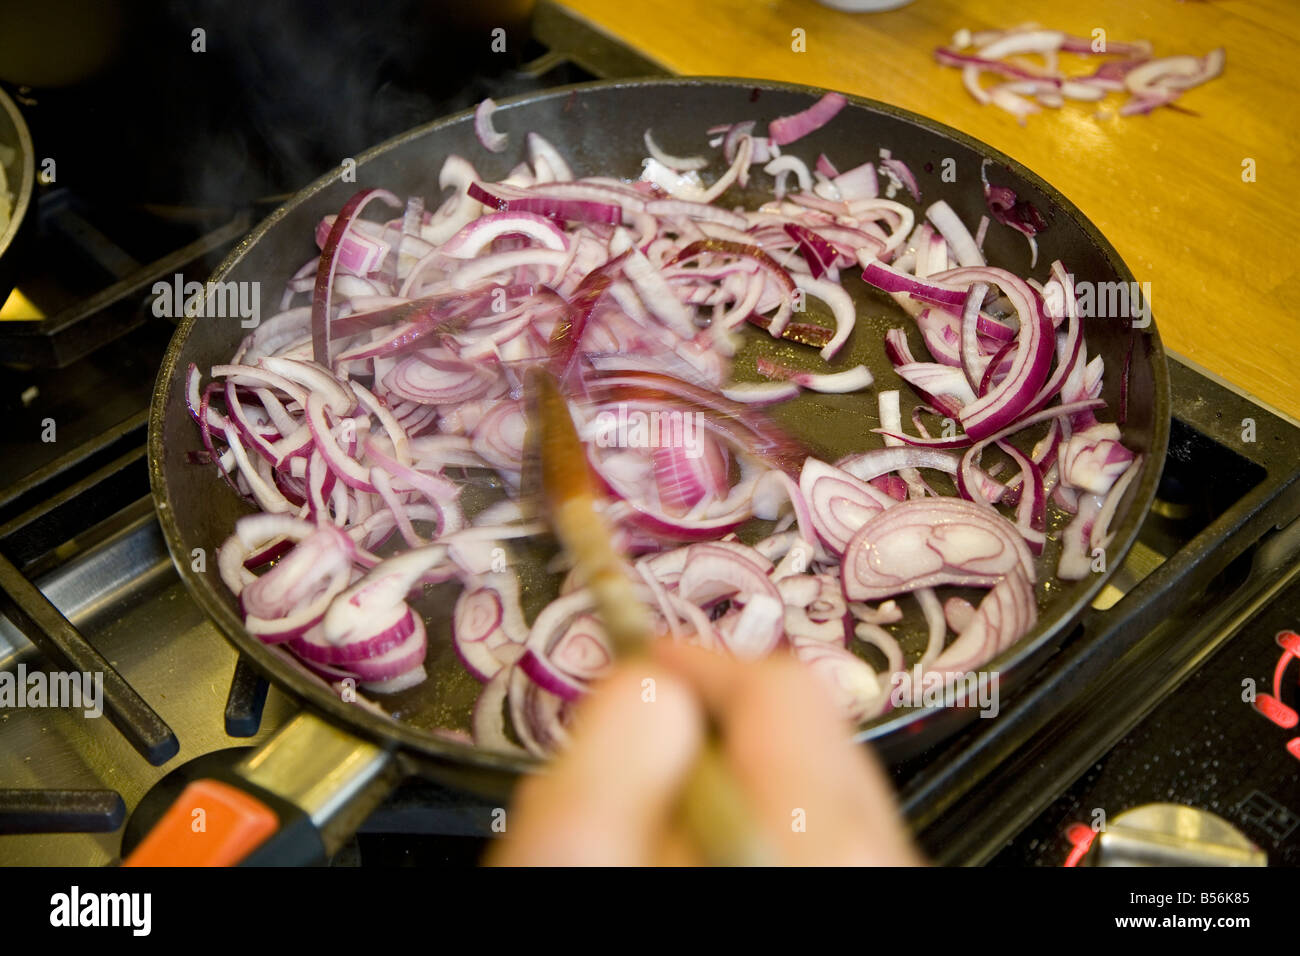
(1166, 189)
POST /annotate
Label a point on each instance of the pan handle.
(292, 802)
(215, 823)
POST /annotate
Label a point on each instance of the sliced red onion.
(384, 587)
(477, 631)
(679, 163)
(829, 607)
(891, 418)
(488, 723)
(732, 136)
(770, 492)
(1010, 70)
(959, 239)
(761, 393)
(836, 383)
(842, 308)
(1076, 559)
(857, 183)
(1153, 83)
(381, 636)
(314, 651)
(1005, 615)
(939, 385)
(883, 641)
(884, 277)
(887, 612)
(964, 441)
(935, 623)
(483, 129)
(657, 295)
(817, 252)
(898, 171)
(686, 475)
(1030, 368)
(1031, 509)
(265, 555)
(338, 398)
(550, 626)
(404, 657)
(293, 596)
(1161, 81)
(695, 210)
(759, 627)
(787, 129)
(552, 207)
(732, 513)
(1019, 214)
(869, 465)
(1098, 536)
(852, 683)
(801, 628)
(403, 681)
(252, 533)
(1092, 460)
(350, 471)
(776, 546)
(536, 715)
(458, 174)
(959, 613)
(473, 238)
(723, 247)
(972, 361)
(437, 380)
(712, 572)
(931, 542)
(801, 332)
(358, 253)
(500, 435)
(838, 503)
(783, 166)
(798, 590)
(322, 313)
(737, 172)
(544, 154)
(583, 651)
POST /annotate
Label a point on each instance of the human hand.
(611, 798)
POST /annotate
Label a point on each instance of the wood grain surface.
(1166, 189)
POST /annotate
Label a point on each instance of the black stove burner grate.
(61, 811)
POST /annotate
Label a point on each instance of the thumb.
(609, 797)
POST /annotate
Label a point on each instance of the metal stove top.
(1142, 703)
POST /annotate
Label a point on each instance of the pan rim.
(22, 193)
(454, 756)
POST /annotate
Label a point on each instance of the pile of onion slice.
(391, 380)
(1022, 90)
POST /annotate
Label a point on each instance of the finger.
(711, 674)
(608, 798)
(828, 795)
(820, 797)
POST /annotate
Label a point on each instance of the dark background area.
(116, 93)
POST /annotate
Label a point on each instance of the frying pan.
(599, 127)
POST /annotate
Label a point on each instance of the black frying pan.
(599, 127)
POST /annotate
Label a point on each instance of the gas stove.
(1178, 687)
